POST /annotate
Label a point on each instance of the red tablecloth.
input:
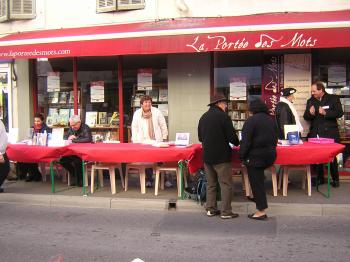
(307, 153)
(29, 154)
(304, 154)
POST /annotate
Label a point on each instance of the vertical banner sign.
(272, 80)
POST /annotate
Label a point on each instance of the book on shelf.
(71, 112)
(163, 95)
(153, 94)
(71, 97)
(52, 111)
(63, 97)
(64, 116)
(102, 118)
(91, 118)
(53, 97)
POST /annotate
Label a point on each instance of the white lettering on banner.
(300, 41)
(266, 41)
(220, 42)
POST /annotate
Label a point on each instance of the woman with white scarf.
(286, 113)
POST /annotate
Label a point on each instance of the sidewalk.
(296, 203)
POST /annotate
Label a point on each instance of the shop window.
(145, 75)
(332, 66)
(55, 90)
(238, 77)
(114, 5)
(98, 86)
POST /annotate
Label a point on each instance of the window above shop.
(103, 6)
(17, 10)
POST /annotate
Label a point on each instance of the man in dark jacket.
(322, 110)
(215, 131)
(77, 133)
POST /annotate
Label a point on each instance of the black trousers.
(73, 164)
(4, 169)
(334, 171)
(257, 183)
(28, 168)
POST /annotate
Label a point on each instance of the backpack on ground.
(197, 188)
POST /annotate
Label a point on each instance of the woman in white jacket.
(148, 123)
(4, 161)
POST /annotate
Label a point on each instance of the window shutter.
(22, 9)
(3, 10)
(131, 4)
(103, 6)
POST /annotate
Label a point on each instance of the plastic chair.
(172, 167)
(111, 168)
(306, 177)
(140, 169)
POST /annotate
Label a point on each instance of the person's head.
(288, 93)
(219, 100)
(146, 103)
(318, 89)
(257, 106)
(75, 122)
(38, 120)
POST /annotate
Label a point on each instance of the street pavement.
(59, 234)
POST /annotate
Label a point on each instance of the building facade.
(101, 56)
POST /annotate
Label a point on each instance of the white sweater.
(139, 127)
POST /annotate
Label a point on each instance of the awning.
(254, 32)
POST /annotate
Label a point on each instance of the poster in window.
(53, 81)
(238, 88)
(144, 79)
(97, 92)
(336, 76)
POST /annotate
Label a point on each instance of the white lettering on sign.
(266, 41)
(199, 47)
(300, 41)
(223, 44)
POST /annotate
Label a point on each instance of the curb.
(275, 209)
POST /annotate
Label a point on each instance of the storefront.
(100, 70)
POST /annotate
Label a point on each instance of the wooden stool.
(140, 168)
(306, 177)
(111, 168)
(175, 168)
(245, 179)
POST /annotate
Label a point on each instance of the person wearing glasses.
(78, 133)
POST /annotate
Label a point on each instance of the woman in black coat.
(258, 151)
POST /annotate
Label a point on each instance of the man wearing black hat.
(286, 113)
(322, 110)
(215, 131)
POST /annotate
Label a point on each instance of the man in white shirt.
(4, 161)
(148, 123)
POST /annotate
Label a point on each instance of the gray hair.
(74, 119)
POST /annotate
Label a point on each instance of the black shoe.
(1, 190)
(335, 183)
(29, 178)
(251, 199)
(228, 216)
(212, 213)
(263, 217)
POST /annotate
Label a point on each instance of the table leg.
(52, 177)
(181, 184)
(328, 194)
(83, 169)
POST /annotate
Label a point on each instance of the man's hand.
(312, 110)
(70, 138)
(321, 111)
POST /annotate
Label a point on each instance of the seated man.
(77, 133)
(30, 170)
